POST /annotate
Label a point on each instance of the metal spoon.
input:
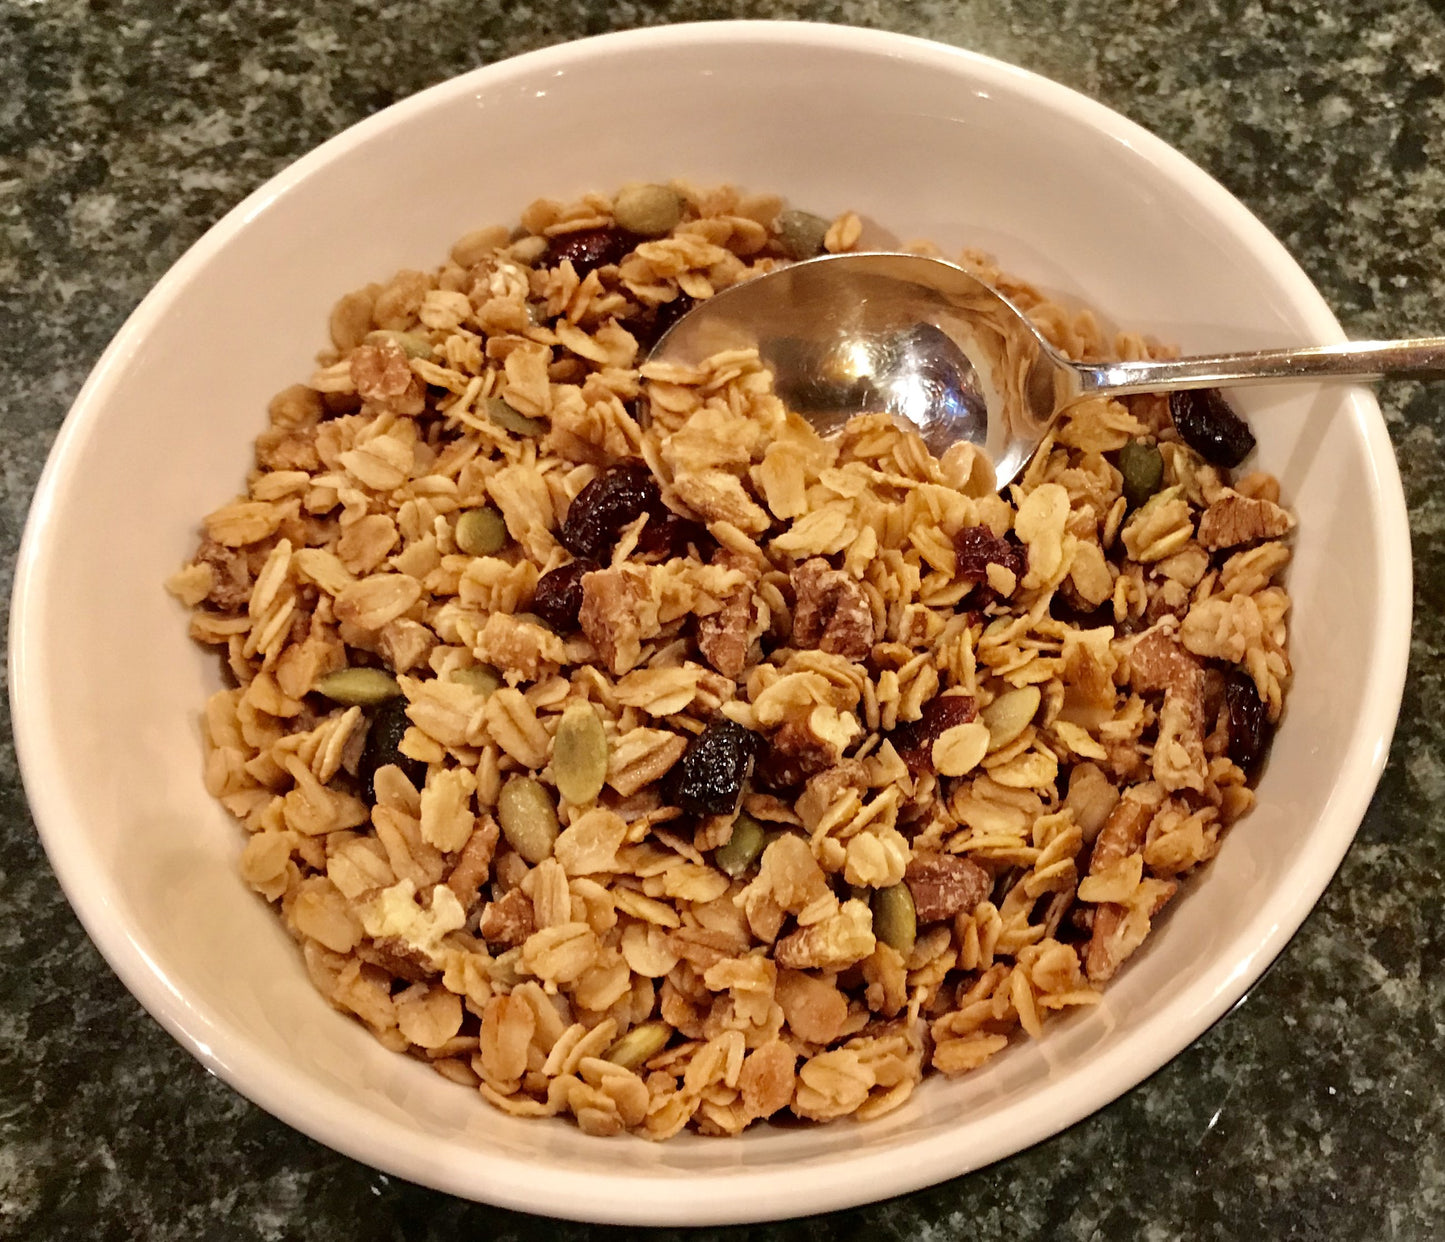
(922, 339)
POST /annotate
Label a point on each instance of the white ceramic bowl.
(930, 141)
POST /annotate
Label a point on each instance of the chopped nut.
(944, 885)
(833, 943)
(618, 615)
(1234, 519)
(508, 920)
(832, 613)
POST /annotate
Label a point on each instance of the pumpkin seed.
(639, 1044)
(413, 344)
(741, 849)
(528, 818)
(1009, 715)
(801, 233)
(648, 210)
(1142, 466)
(579, 754)
(363, 687)
(513, 420)
(481, 532)
(481, 678)
(895, 918)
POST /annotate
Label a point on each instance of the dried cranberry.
(389, 723)
(977, 547)
(708, 780)
(1207, 424)
(607, 504)
(1249, 728)
(914, 741)
(667, 535)
(558, 598)
(590, 248)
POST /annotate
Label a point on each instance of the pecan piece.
(508, 920)
(404, 960)
(383, 376)
(791, 756)
(832, 612)
(230, 575)
(833, 943)
(1159, 662)
(944, 885)
(474, 863)
(723, 637)
(1234, 519)
(618, 615)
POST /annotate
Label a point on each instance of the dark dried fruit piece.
(977, 547)
(558, 597)
(389, 723)
(607, 504)
(709, 777)
(649, 327)
(668, 534)
(914, 741)
(1249, 729)
(589, 248)
(1207, 424)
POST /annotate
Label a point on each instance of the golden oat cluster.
(983, 736)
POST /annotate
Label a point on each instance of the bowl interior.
(925, 142)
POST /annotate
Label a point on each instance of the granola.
(1016, 720)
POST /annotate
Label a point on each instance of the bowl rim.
(747, 1195)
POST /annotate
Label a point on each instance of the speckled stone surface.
(1313, 1111)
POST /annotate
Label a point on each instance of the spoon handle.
(1351, 360)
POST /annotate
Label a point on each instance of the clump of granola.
(875, 766)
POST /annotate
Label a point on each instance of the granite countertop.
(1312, 1111)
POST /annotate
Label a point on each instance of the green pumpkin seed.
(359, 687)
(801, 233)
(639, 1045)
(648, 210)
(1142, 466)
(579, 754)
(513, 420)
(895, 918)
(481, 532)
(413, 344)
(528, 818)
(481, 678)
(741, 849)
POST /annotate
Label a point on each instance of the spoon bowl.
(925, 341)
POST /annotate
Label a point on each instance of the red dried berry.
(558, 597)
(914, 741)
(708, 779)
(977, 547)
(1249, 729)
(590, 248)
(1213, 430)
(607, 504)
